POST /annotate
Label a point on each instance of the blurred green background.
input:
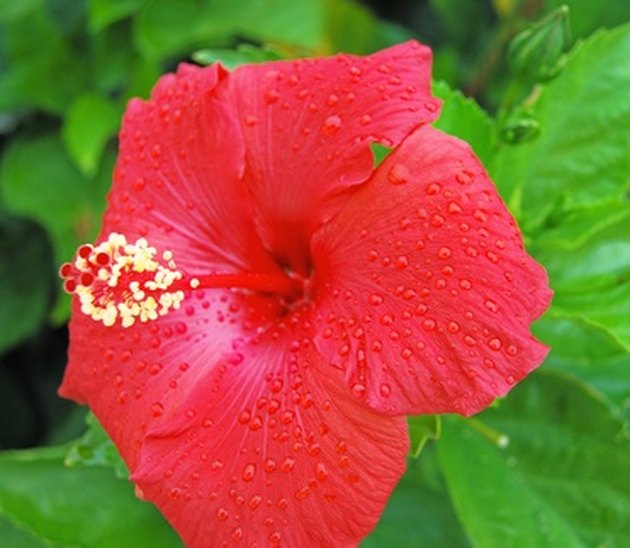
(550, 117)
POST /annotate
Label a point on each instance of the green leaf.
(572, 229)
(76, 506)
(582, 156)
(112, 60)
(15, 537)
(422, 429)
(38, 180)
(562, 480)
(25, 279)
(95, 448)
(102, 13)
(43, 70)
(464, 118)
(11, 11)
(575, 340)
(90, 122)
(419, 512)
(232, 58)
(592, 282)
(166, 28)
(352, 28)
(587, 16)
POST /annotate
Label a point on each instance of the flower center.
(125, 282)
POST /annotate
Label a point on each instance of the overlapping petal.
(271, 451)
(136, 377)
(426, 293)
(178, 179)
(308, 125)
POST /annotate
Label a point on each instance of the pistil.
(124, 282)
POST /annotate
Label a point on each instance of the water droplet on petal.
(494, 343)
(491, 305)
(376, 299)
(157, 409)
(398, 174)
(444, 253)
(428, 324)
(321, 472)
(453, 327)
(331, 124)
(222, 514)
(249, 472)
(433, 189)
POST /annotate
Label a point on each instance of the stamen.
(119, 281)
(124, 282)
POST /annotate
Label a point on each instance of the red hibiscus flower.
(263, 308)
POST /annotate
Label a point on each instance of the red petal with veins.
(272, 451)
(425, 290)
(308, 125)
(135, 378)
(178, 177)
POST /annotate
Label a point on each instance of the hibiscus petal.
(136, 377)
(271, 451)
(307, 126)
(178, 177)
(425, 290)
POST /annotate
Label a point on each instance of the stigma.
(122, 282)
(118, 282)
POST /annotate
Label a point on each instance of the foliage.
(546, 466)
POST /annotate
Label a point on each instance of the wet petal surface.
(429, 292)
(307, 126)
(270, 451)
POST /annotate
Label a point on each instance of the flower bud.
(536, 53)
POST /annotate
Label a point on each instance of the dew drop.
(444, 253)
(433, 189)
(287, 464)
(512, 350)
(222, 514)
(332, 124)
(385, 390)
(254, 502)
(375, 299)
(237, 534)
(387, 319)
(249, 472)
(251, 120)
(321, 472)
(428, 325)
(453, 327)
(271, 96)
(463, 178)
(301, 494)
(398, 174)
(157, 409)
(494, 343)
(465, 284)
(491, 305)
